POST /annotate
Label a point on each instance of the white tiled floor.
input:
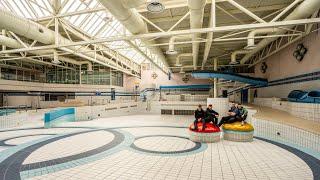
(222, 160)
(70, 146)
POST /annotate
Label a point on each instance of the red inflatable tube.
(210, 128)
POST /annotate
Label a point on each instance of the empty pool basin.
(5, 112)
(304, 97)
(210, 134)
(238, 132)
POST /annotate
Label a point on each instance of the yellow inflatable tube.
(237, 126)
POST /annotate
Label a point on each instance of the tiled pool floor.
(143, 147)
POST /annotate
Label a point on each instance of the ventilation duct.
(34, 31)
(12, 43)
(234, 56)
(196, 8)
(304, 10)
(171, 50)
(253, 33)
(178, 63)
(129, 4)
(131, 19)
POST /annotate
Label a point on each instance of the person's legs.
(204, 120)
(232, 120)
(215, 120)
(224, 120)
(195, 124)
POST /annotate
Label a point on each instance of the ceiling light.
(178, 65)
(155, 6)
(108, 18)
(56, 61)
(234, 62)
(171, 52)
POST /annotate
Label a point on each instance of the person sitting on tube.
(233, 114)
(199, 115)
(232, 106)
(243, 113)
(211, 116)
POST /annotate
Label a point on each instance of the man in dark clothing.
(211, 116)
(233, 114)
(199, 115)
(232, 106)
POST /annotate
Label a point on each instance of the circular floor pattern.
(14, 141)
(262, 155)
(164, 144)
(73, 145)
(11, 171)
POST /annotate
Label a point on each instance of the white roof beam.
(180, 32)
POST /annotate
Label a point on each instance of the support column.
(80, 78)
(3, 32)
(215, 80)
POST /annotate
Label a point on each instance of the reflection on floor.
(143, 147)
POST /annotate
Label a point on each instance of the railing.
(12, 119)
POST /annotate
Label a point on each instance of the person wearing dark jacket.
(211, 116)
(233, 116)
(199, 115)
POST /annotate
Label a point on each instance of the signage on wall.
(154, 75)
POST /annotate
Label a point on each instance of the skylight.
(97, 23)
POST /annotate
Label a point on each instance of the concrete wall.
(147, 81)
(283, 64)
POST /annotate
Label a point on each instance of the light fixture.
(171, 52)
(56, 61)
(108, 18)
(234, 63)
(178, 65)
(155, 6)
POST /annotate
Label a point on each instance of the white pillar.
(80, 78)
(3, 32)
(215, 80)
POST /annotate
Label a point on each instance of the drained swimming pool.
(153, 147)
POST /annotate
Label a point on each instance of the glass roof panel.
(97, 24)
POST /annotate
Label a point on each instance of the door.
(1, 99)
(113, 94)
(244, 96)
